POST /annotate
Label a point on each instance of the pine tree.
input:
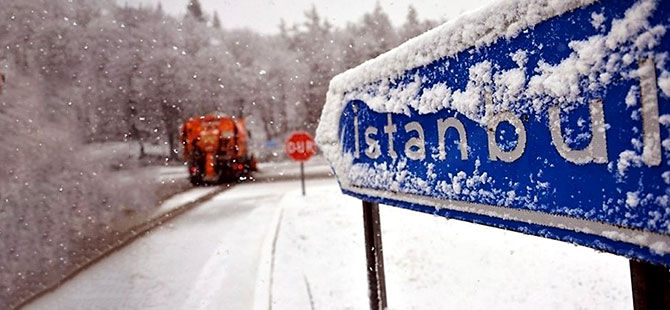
(195, 10)
(159, 9)
(216, 23)
(412, 26)
(412, 16)
(378, 31)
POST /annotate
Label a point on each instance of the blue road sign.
(271, 144)
(549, 118)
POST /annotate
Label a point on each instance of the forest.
(79, 74)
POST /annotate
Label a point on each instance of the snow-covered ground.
(264, 246)
(317, 166)
(124, 150)
(267, 171)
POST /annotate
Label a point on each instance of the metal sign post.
(300, 147)
(374, 255)
(302, 177)
(651, 286)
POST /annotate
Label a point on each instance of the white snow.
(589, 68)
(480, 28)
(666, 177)
(597, 20)
(627, 159)
(596, 58)
(504, 19)
(634, 22)
(219, 255)
(631, 97)
(509, 86)
(664, 119)
(520, 57)
(183, 198)
(205, 259)
(664, 83)
(632, 199)
(317, 165)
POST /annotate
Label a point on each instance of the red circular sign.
(300, 146)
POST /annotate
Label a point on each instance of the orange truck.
(216, 149)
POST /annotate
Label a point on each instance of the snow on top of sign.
(589, 68)
(595, 62)
(505, 18)
(475, 29)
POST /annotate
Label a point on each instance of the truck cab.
(216, 149)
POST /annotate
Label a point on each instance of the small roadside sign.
(271, 144)
(300, 147)
(546, 118)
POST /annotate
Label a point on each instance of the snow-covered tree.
(413, 26)
(194, 10)
(216, 22)
(87, 71)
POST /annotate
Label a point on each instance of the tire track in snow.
(309, 292)
(272, 262)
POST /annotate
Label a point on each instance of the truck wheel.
(196, 168)
(196, 179)
(253, 164)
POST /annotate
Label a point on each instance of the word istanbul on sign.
(595, 151)
(547, 118)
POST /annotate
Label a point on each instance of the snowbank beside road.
(224, 254)
(316, 167)
(319, 262)
(432, 263)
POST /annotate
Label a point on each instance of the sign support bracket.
(651, 286)
(374, 254)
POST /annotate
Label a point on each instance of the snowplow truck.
(216, 150)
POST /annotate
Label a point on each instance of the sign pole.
(302, 176)
(300, 147)
(651, 286)
(374, 255)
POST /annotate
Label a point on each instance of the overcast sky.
(264, 15)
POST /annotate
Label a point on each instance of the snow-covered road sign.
(300, 146)
(545, 117)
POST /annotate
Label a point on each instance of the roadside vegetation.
(85, 73)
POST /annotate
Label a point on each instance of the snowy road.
(264, 246)
(206, 258)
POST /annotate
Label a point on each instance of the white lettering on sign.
(390, 129)
(651, 152)
(442, 126)
(415, 148)
(357, 149)
(596, 151)
(372, 150)
(291, 147)
(495, 152)
(300, 146)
